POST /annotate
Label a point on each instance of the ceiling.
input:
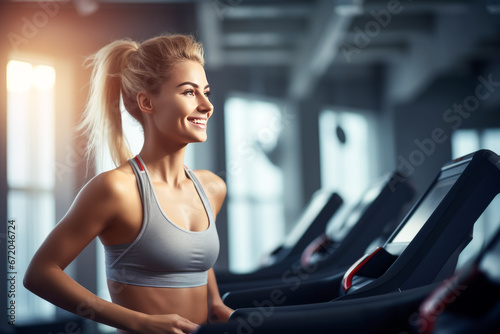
(319, 38)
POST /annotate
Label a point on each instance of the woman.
(151, 213)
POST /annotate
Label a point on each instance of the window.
(256, 223)
(347, 164)
(30, 170)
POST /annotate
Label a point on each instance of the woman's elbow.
(32, 278)
(29, 279)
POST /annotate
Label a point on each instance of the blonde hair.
(124, 68)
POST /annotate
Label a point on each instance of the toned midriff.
(190, 303)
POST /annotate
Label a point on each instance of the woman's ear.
(144, 102)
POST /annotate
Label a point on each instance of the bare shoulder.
(214, 187)
(107, 191)
(115, 183)
(211, 181)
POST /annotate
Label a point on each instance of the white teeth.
(199, 121)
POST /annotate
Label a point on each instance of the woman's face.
(182, 109)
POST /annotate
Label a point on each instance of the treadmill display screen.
(424, 210)
(313, 208)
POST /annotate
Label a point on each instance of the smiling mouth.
(198, 122)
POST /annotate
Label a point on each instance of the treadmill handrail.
(349, 274)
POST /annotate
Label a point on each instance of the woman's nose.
(205, 105)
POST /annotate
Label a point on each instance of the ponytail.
(102, 121)
(121, 69)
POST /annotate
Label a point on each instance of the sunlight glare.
(44, 77)
(19, 76)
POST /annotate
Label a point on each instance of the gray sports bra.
(163, 254)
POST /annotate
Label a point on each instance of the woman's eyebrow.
(192, 84)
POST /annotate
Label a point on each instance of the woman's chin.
(199, 139)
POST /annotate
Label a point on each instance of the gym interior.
(358, 140)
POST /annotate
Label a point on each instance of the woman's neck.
(164, 164)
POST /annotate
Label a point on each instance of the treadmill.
(467, 302)
(344, 240)
(313, 220)
(421, 252)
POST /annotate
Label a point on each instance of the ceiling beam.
(277, 57)
(377, 53)
(423, 6)
(269, 11)
(250, 39)
(281, 26)
(321, 43)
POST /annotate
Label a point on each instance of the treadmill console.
(373, 265)
(405, 233)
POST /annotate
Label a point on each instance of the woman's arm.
(215, 187)
(217, 311)
(97, 206)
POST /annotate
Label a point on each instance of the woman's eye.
(189, 92)
(207, 94)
